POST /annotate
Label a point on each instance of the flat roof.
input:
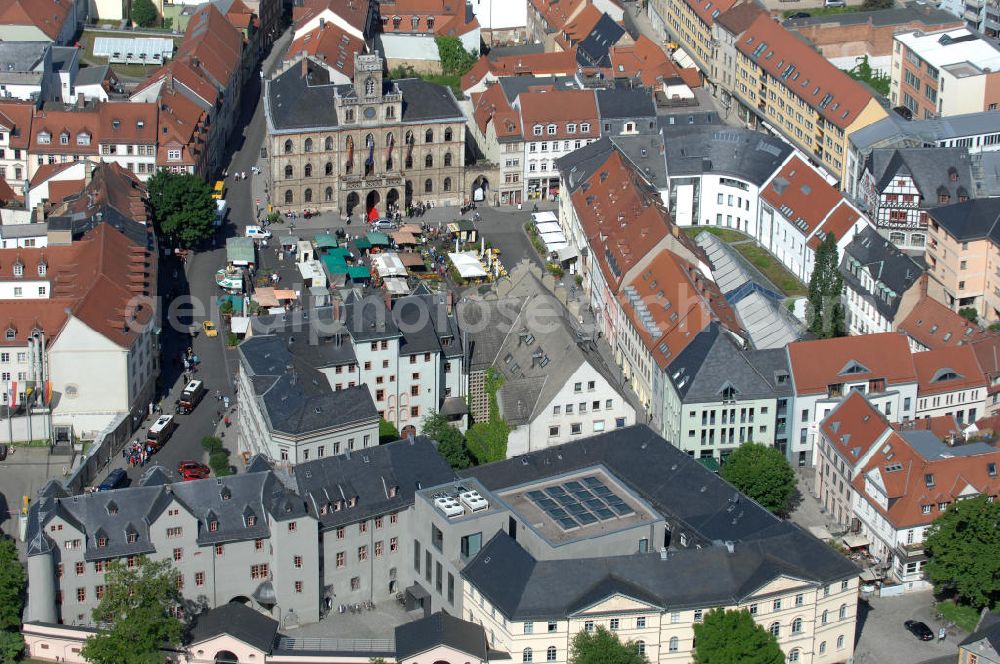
(585, 503)
(964, 51)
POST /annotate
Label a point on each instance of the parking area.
(23, 473)
(883, 639)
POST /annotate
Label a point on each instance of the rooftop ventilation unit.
(474, 501)
(449, 506)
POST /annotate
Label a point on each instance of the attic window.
(991, 469)
(213, 526)
(18, 268)
(250, 520)
(393, 491)
(893, 467)
(102, 541)
(42, 268)
(11, 334)
(929, 479)
(352, 501)
(225, 493)
(64, 138)
(112, 508)
(115, 124)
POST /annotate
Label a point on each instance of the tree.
(451, 442)
(487, 441)
(183, 206)
(826, 310)
(603, 647)
(962, 545)
(455, 60)
(869, 5)
(863, 72)
(732, 637)
(387, 431)
(11, 602)
(134, 614)
(763, 473)
(969, 313)
(144, 13)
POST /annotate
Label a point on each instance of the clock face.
(369, 112)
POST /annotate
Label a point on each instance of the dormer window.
(414, 23)
(393, 491)
(352, 501)
(42, 268)
(430, 23)
(102, 542)
(115, 124)
(585, 128)
(18, 268)
(225, 493)
(44, 138)
(83, 138)
(112, 508)
(338, 505)
(552, 130)
(64, 138)
(537, 130)
(213, 526)
(251, 520)
(131, 536)
(11, 333)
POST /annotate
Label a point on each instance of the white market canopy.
(542, 217)
(467, 264)
(396, 286)
(388, 265)
(239, 324)
(548, 227)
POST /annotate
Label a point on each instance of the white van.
(257, 232)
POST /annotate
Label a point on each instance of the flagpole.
(10, 423)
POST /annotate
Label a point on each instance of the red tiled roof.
(904, 473)
(181, 128)
(934, 325)
(15, 117)
(561, 108)
(947, 369)
(557, 13)
(104, 123)
(536, 64)
(681, 303)
(583, 24)
(450, 18)
(45, 171)
(740, 16)
(801, 194)
(353, 12)
(820, 363)
(854, 426)
(60, 190)
(491, 106)
(829, 91)
(6, 193)
(49, 16)
(941, 426)
(839, 222)
(331, 44)
(709, 10)
(647, 61)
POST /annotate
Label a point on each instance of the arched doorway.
(392, 202)
(226, 657)
(481, 190)
(353, 200)
(371, 203)
(408, 195)
(408, 430)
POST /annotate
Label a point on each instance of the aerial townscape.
(499, 331)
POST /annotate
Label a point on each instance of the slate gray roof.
(593, 51)
(742, 153)
(579, 165)
(894, 131)
(714, 361)
(94, 75)
(314, 335)
(293, 394)
(20, 58)
(440, 629)
(62, 57)
(426, 325)
(885, 263)
(514, 85)
(971, 220)
(369, 475)
(296, 102)
(115, 514)
(625, 103)
(932, 170)
(532, 343)
(237, 620)
(693, 500)
(987, 630)
(644, 151)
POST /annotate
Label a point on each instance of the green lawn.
(965, 617)
(725, 234)
(772, 269)
(826, 11)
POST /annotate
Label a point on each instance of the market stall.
(240, 251)
(467, 264)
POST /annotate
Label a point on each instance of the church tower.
(368, 77)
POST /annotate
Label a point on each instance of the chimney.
(305, 66)
(81, 101)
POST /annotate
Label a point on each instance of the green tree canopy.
(455, 60)
(451, 442)
(183, 206)
(144, 13)
(964, 549)
(732, 637)
(11, 602)
(387, 431)
(603, 647)
(826, 285)
(134, 614)
(763, 473)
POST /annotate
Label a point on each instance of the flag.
(389, 144)
(350, 150)
(371, 151)
(48, 392)
(13, 394)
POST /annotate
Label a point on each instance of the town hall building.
(373, 147)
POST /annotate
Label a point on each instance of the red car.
(192, 470)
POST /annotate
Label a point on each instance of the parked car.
(115, 480)
(257, 232)
(919, 630)
(192, 470)
(801, 15)
(384, 224)
(209, 328)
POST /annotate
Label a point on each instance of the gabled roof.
(644, 60)
(592, 51)
(824, 362)
(49, 16)
(935, 171)
(854, 426)
(440, 629)
(947, 369)
(976, 219)
(237, 620)
(491, 107)
(826, 89)
(893, 271)
(733, 151)
(740, 17)
(709, 10)
(536, 64)
(15, 117)
(917, 470)
(801, 194)
(987, 630)
(934, 325)
(331, 44)
(559, 107)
